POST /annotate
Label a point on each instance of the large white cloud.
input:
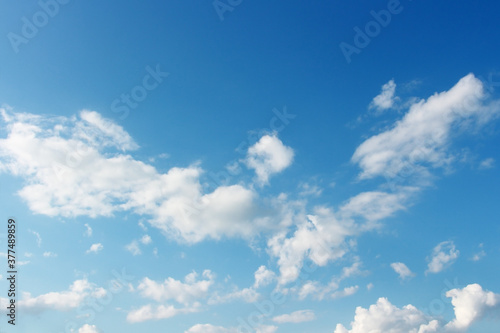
(79, 166)
(470, 304)
(268, 156)
(76, 295)
(422, 136)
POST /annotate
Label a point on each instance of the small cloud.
(133, 248)
(403, 271)
(94, 248)
(38, 238)
(88, 329)
(488, 163)
(143, 227)
(88, 232)
(295, 317)
(478, 256)
(146, 240)
(443, 256)
(49, 254)
(309, 190)
(267, 157)
(386, 99)
(28, 254)
(369, 286)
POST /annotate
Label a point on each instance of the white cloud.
(248, 295)
(385, 100)
(49, 254)
(133, 247)
(146, 239)
(470, 304)
(443, 256)
(478, 256)
(95, 248)
(347, 291)
(187, 292)
(79, 167)
(309, 190)
(38, 237)
(268, 156)
(487, 164)
(72, 298)
(88, 329)
(88, 231)
(100, 131)
(422, 136)
(403, 271)
(322, 238)
(263, 277)
(385, 317)
(330, 290)
(207, 328)
(295, 317)
(376, 205)
(150, 312)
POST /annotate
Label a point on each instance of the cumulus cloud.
(268, 156)
(187, 292)
(263, 277)
(385, 317)
(77, 294)
(385, 100)
(402, 270)
(321, 238)
(207, 328)
(88, 329)
(150, 312)
(420, 139)
(80, 166)
(295, 317)
(95, 248)
(443, 256)
(470, 304)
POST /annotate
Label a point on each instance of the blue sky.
(237, 166)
